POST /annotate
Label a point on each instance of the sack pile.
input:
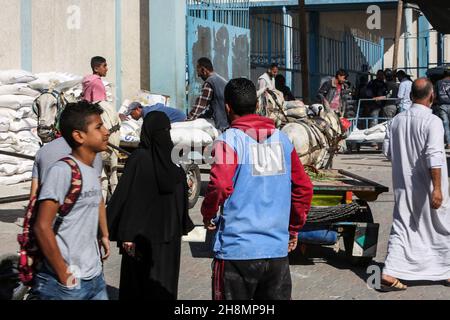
(17, 125)
(199, 132)
(376, 134)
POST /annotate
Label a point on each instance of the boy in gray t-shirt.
(73, 267)
(48, 155)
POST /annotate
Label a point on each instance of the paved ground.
(325, 275)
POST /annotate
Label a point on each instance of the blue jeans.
(444, 112)
(47, 287)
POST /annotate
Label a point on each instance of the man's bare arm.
(45, 235)
(34, 187)
(436, 195)
(103, 230)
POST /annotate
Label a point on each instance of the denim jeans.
(444, 114)
(47, 287)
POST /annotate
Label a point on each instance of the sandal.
(395, 286)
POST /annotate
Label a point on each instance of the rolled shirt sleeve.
(56, 184)
(434, 150)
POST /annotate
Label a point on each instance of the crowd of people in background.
(148, 212)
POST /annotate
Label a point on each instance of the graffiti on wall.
(228, 47)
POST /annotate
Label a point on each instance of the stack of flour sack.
(18, 122)
(17, 125)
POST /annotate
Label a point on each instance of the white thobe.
(419, 244)
(265, 82)
(404, 93)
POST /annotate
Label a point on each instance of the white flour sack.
(201, 124)
(15, 179)
(17, 125)
(10, 160)
(16, 114)
(15, 102)
(4, 124)
(60, 81)
(19, 89)
(190, 137)
(12, 169)
(16, 76)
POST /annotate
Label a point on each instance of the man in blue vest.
(265, 195)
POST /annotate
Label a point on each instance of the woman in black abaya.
(148, 214)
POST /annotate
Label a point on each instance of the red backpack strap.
(75, 187)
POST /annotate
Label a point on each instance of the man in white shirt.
(419, 244)
(404, 90)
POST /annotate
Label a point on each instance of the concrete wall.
(119, 30)
(168, 49)
(10, 51)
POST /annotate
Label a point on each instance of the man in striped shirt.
(210, 104)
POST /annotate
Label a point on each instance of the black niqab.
(151, 199)
(155, 138)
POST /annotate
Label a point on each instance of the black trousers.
(263, 279)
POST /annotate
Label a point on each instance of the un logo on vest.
(267, 159)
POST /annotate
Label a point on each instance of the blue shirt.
(173, 114)
(254, 223)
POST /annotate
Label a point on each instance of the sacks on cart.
(17, 125)
(199, 132)
(376, 134)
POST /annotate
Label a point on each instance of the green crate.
(326, 200)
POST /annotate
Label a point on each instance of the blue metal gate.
(329, 50)
(218, 30)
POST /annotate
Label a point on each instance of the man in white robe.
(267, 81)
(419, 244)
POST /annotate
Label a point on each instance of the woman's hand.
(130, 248)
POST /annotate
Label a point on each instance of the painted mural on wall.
(228, 47)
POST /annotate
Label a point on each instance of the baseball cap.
(134, 105)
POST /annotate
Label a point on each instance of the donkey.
(316, 137)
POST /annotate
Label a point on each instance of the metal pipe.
(118, 149)
(17, 155)
(12, 199)
(398, 30)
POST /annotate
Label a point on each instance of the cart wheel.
(364, 214)
(349, 147)
(194, 182)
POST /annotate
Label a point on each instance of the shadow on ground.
(340, 260)
(11, 215)
(203, 249)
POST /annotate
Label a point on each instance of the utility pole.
(398, 30)
(303, 50)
